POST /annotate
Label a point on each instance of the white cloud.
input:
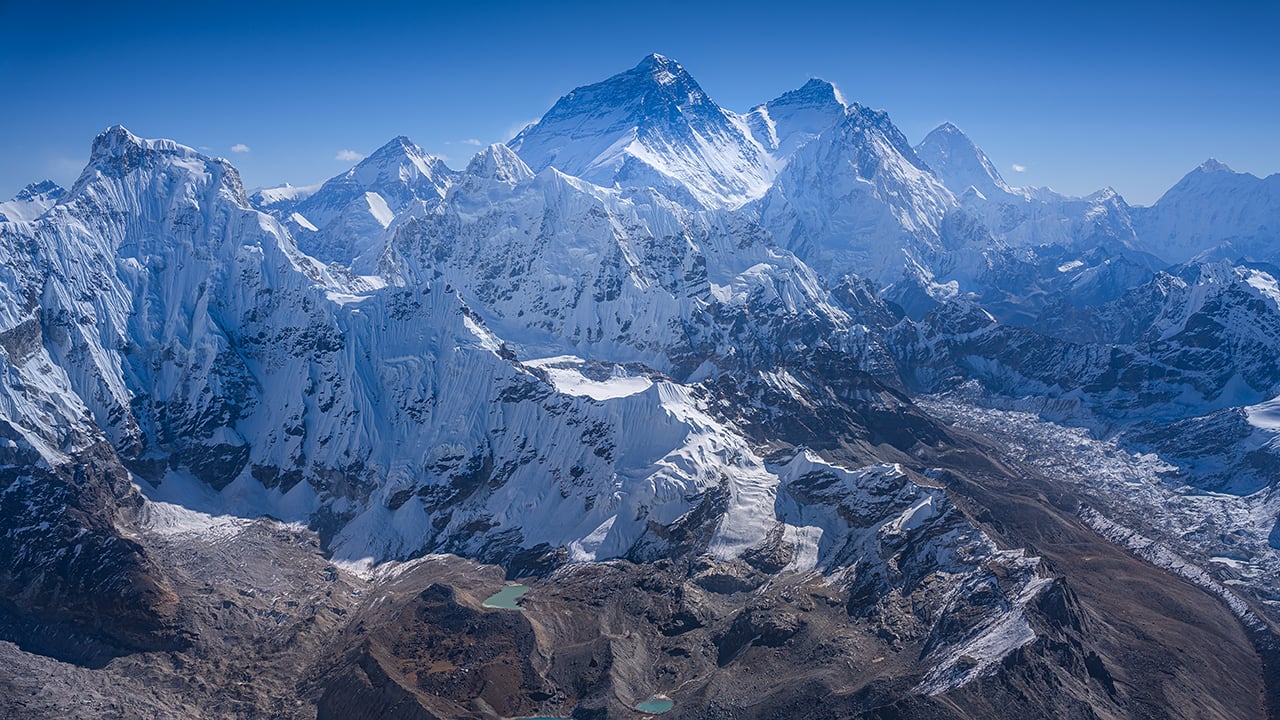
(239, 148)
(472, 141)
(1018, 168)
(515, 128)
(348, 156)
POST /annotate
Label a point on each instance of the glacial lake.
(656, 704)
(505, 599)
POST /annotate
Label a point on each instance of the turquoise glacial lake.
(505, 599)
(656, 705)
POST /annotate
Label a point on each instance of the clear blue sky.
(1082, 95)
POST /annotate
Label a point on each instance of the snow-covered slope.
(651, 126)
(1179, 347)
(282, 199)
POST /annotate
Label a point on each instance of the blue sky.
(1081, 95)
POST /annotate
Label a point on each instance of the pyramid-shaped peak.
(656, 64)
(1213, 165)
(499, 162)
(960, 163)
(948, 133)
(401, 159)
(648, 126)
(399, 146)
(656, 70)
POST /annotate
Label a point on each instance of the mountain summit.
(959, 163)
(794, 118)
(649, 126)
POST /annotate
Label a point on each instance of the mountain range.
(776, 414)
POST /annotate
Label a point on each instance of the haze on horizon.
(1076, 98)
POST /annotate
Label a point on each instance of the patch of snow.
(1265, 416)
(565, 373)
(303, 222)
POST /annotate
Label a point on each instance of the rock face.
(758, 405)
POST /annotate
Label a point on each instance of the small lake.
(505, 599)
(656, 704)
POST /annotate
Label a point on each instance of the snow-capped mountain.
(960, 164)
(31, 202)
(858, 200)
(788, 122)
(281, 200)
(651, 126)
(212, 349)
(344, 219)
(1214, 213)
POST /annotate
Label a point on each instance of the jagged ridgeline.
(766, 411)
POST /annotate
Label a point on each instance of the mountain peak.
(796, 117)
(814, 92)
(32, 201)
(652, 92)
(649, 126)
(499, 162)
(1213, 165)
(397, 148)
(44, 188)
(663, 68)
(113, 141)
(116, 147)
(400, 161)
(959, 163)
(667, 74)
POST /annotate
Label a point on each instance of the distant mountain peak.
(1213, 165)
(660, 73)
(44, 188)
(814, 92)
(650, 126)
(396, 149)
(499, 162)
(794, 118)
(662, 68)
(959, 163)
